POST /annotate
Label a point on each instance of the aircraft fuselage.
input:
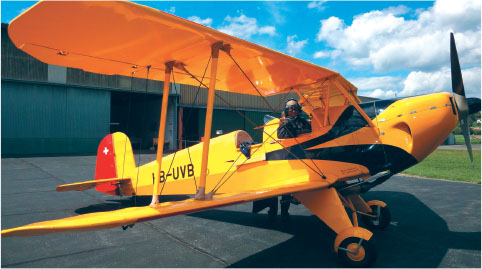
(408, 130)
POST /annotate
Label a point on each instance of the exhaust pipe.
(364, 186)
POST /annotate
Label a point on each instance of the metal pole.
(162, 131)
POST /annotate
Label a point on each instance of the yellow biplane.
(352, 147)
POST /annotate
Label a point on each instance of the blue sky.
(385, 48)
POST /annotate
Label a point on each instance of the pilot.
(291, 127)
(272, 203)
(292, 123)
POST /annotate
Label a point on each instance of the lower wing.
(132, 215)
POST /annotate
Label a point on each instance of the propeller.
(463, 106)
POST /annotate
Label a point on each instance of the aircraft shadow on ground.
(115, 204)
(416, 237)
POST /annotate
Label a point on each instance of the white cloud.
(196, 19)
(172, 10)
(321, 54)
(381, 94)
(244, 27)
(458, 15)
(277, 11)
(269, 30)
(398, 10)
(294, 46)
(317, 4)
(385, 41)
(381, 87)
(374, 83)
(420, 82)
(417, 83)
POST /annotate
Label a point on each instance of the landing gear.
(357, 252)
(352, 243)
(380, 219)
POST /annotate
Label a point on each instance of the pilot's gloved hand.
(291, 126)
(290, 121)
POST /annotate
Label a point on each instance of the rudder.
(114, 160)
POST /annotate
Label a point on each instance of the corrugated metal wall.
(188, 97)
(80, 77)
(43, 119)
(229, 120)
(19, 65)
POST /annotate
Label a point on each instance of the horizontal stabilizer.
(82, 186)
(132, 215)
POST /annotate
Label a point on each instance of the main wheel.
(356, 252)
(382, 220)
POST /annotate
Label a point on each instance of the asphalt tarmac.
(435, 223)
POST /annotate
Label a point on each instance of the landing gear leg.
(380, 218)
(352, 243)
(375, 214)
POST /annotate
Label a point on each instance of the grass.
(459, 140)
(449, 164)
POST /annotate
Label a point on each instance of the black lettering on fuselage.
(178, 173)
(175, 175)
(183, 171)
(190, 170)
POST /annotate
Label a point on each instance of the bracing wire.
(190, 110)
(127, 130)
(219, 181)
(142, 124)
(214, 190)
(255, 125)
(264, 99)
(174, 156)
(320, 173)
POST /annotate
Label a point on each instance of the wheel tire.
(365, 256)
(382, 222)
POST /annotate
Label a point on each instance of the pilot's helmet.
(293, 107)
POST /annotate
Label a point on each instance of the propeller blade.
(464, 126)
(457, 82)
(459, 95)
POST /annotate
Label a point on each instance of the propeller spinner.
(463, 107)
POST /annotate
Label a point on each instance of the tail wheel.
(356, 252)
(382, 219)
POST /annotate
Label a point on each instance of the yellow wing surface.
(132, 215)
(123, 38)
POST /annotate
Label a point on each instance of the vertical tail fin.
(114, 160)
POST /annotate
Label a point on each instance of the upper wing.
(117, 37)
(132, 215)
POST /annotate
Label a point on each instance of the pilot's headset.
(295, 107)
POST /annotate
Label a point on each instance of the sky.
(385, 48)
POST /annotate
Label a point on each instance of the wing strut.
(162, 131)
(355, 104)
(326, 120)
(309, 107)
(201, 193)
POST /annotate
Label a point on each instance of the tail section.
(114, 160)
